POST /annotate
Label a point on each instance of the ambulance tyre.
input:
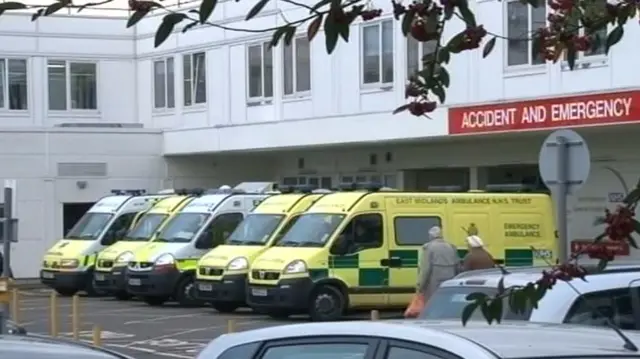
(225, 307)
(327, 303)
(66, 292)
(279, 314)
(185, 292)
(122, 295)
(154, 301)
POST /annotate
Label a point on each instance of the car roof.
(25, 346)
(506, 340)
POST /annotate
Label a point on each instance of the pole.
(561, 198)
(53, 315)
(6, 252)
(75, 317)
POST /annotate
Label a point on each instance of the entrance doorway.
(71, 213)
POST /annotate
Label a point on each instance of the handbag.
(415, 306)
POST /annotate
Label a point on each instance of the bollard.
(53, 315)
(15, 306)
(231, 326)
(97, 336)
(375, 315)
(75, 317)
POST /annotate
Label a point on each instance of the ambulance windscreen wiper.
(288, 244)
(310, 244)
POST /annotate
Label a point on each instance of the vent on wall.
(100, 125)
(82, 169)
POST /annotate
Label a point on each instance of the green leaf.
(290, 32)
(400, 109)
(343, 30)
(189, 26)
(137, 16)
(12, 5)
(468, 17)
(439, 92)
(443, 55)
(314, 26)
(443, 76)
(55, 7)
(518, 301)
(277, 35)
(571, 57)
(632, 242)
(501, 286)
(477, 296)
(599, 221)
(330, 34)
(495, 308)
(206, 9)
(613, 38)
(486, 312)
(255, 10)
(407, 21)
(488, 47)
(602, 264)
(36, 14)
(318, 5)
(454, 43)
(467, 312)
(632, 197)
(166, 27)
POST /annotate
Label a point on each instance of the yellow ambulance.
(222, 273)
(109, 274)
(68, 265)
(359, 249)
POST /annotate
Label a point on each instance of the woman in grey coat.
(439, 262)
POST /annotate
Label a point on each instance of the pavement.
(141, 331)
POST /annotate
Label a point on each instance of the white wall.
(105, 41)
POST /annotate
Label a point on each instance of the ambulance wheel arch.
(331, 289)
(183, 286)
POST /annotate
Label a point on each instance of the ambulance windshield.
(311, 230)
(255, 229)
(90, 226)
(183, 227)
(146, 227)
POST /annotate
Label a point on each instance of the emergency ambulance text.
(521, 230)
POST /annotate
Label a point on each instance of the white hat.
(435, 232)
(475, 242)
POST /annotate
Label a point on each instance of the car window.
(317, 351)
(593, 308)
(244, 351)
(414, 231)
(405, 353)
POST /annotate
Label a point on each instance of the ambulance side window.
(218, 230)
(118, 229)
(364, 231)
(414, 231)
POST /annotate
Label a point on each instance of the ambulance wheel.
(155, 301)
(225, 307)
(122, 295)
(66, 292)
(185, 292)
(92, 291)
(327, 303)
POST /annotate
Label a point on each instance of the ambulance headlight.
(125, 257)
(297, 266)
(238, 263)
(165, 259)
(69, 263)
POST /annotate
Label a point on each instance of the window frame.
(426, 235)
(165, 61)
(421, 53)
(581, 58)
(193, 89)
(198, 236)
(347, 221)
(5, 85)
(387, 343)
(379, 84)
(67, 84)
(631, 289)
(262, 99)
(529, 64)
(294, 77)
(373, 343)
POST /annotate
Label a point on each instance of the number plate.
(205, 287)
(134, 281)
(259, 292)
(48, 275)
(99, 277)
(543, 254)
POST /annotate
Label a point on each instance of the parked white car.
(614, 293)
(414, 339)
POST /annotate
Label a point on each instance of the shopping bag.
(415, 307)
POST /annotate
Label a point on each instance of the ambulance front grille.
(264, 275)
(105, 263)
(210, 271)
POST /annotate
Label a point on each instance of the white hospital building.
(87, 106)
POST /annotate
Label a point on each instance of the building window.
(260, 72)
(297, 67)
(13, 84)
(163, 84)
(601, 35)
(415, 52)
(377, 53)
(195, 78)
(522, 21)
(72, 85)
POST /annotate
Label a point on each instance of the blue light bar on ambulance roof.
(128, 192)
(296, 189)
(371, 186)
(453, 188)
(190, 191)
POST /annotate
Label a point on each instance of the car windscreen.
(146, 227)
(311, 230)
(449, 302)
(90, 226)
(255, 230)
(183, 227)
